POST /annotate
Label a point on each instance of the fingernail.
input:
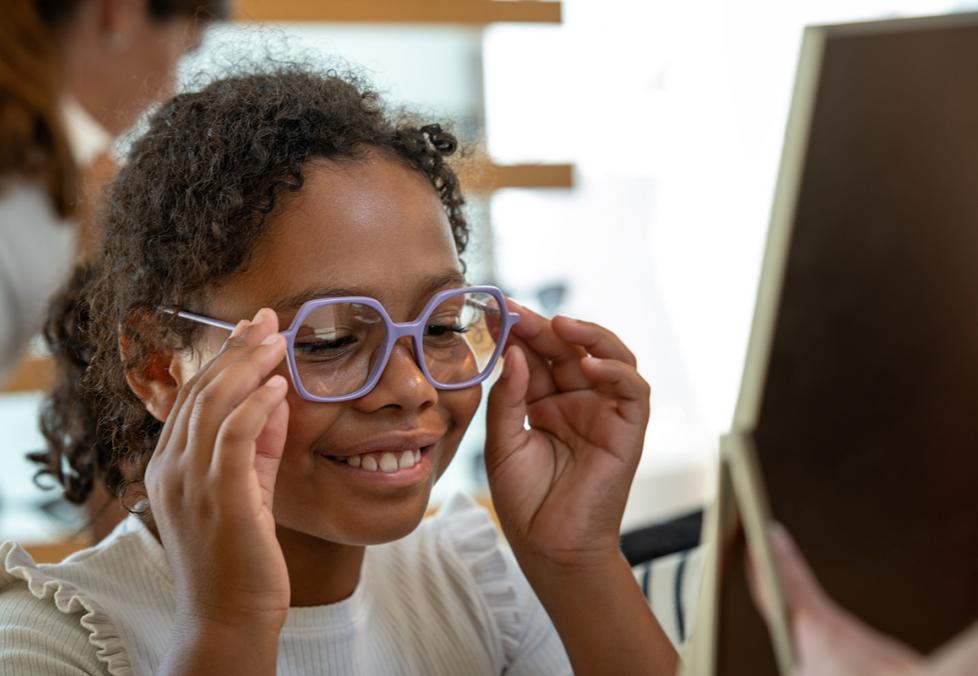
(271, 340)
(239, 327)
(275, 382)
(594, 361)
(516, 305)
(258, 317)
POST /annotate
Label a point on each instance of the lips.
(388, 454)
(395, 443)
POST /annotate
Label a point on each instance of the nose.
(402, 384)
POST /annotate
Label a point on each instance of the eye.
(443, 329)
(325, 349)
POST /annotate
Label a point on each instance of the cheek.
(459, 407)
(308, 421)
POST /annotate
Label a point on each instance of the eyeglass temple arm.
(200, 319)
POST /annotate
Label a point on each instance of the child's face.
(369, 228)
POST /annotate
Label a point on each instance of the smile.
(385, 469)
(381, 461)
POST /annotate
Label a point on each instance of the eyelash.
(454, 328)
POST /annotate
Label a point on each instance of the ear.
(155, 380)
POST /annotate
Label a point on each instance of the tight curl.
(183, 215)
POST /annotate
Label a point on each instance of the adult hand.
(211, 483)
(559, 485)
(828, 640)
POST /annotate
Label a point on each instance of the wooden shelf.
(483, 177)
(54, 552)
(460, 12)
(33, 373)
(478, 176)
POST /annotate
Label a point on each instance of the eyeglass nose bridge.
(396, 332)
(415, 331)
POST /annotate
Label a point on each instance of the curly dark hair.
(184, 214)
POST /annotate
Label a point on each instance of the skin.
(829, 640)
(118, 59)
(250, 515)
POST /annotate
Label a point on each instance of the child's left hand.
(559, 486)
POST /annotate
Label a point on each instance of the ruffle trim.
(476, 541)
(18, 565)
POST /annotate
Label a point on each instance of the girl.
(281, 473)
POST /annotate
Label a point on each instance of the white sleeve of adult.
(36, 251)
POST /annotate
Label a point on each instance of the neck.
(320, 572)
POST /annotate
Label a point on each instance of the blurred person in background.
(74, 74)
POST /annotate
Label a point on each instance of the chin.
(356, 522)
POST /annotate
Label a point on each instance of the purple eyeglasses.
(338, 348)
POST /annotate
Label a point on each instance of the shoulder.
(463, 536)
(462, 550)
(37, 638)
(63, 614)
(454, 560)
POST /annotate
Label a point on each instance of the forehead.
(370, 226)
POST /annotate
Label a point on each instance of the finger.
(175, 441)
(539, 337)
(596, 339)
(183, 394)
(506, 409)
(801, 588)
(541, 381)
(225, 391)
(622, 382)
(237, 346)
(761, 601)
(269, 447)
(247, 360)
(236, 445)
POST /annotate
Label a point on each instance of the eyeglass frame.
(395, 331)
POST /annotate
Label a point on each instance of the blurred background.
(621, 166)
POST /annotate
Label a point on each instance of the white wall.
(673, 113)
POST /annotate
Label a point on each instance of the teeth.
(388, 463)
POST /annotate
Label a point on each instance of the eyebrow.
(428, 287)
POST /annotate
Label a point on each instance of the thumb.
(506, 409)
(269, 447)
(801, 588)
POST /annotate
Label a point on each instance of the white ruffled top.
(446, 599)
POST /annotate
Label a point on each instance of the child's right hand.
(211, 481)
